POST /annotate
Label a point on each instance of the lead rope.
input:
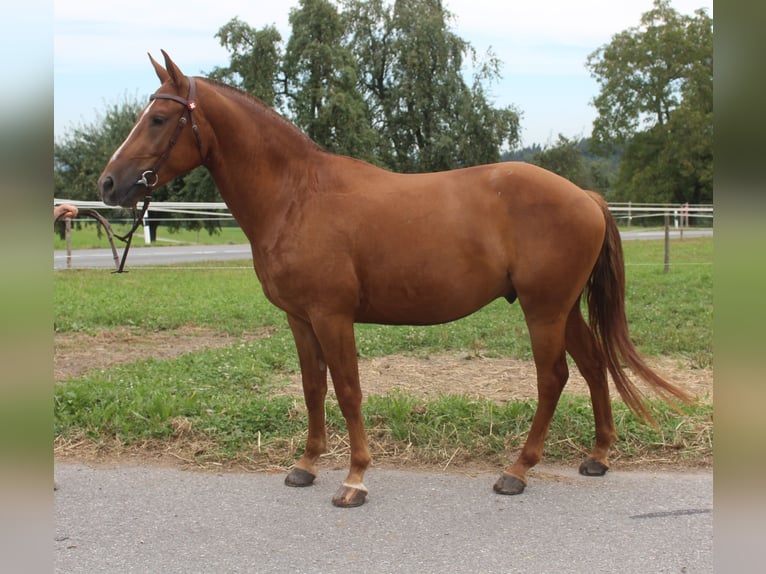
(128, 237)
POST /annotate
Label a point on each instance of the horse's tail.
(606, 311)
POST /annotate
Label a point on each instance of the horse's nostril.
(106, 185)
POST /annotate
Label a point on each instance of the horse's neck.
(260, 162)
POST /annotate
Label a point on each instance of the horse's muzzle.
(113, 195)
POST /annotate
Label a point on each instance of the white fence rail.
(678, 215)
(219, 210)
(680, 212)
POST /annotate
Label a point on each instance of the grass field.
(226, 405)
(86, 235)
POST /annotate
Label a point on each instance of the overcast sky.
(100, 50)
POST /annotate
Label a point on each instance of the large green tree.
(410, 68)
(254, 62)
(321, 81)
(382, 81)
(656, 102)
(565, 158)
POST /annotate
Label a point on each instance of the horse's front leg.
(314, 377)
(336, 336)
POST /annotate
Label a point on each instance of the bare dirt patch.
(496, 379)
(74, 354)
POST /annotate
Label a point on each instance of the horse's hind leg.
(552, 373)
(581, 345)
(314, 377)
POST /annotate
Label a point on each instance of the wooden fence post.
(68, 236)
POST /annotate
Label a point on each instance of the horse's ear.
(173, 71)
(162, 73)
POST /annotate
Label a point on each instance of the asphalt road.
(164, 255)
(152, 519)
(155, 255)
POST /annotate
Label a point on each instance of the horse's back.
(511, 207)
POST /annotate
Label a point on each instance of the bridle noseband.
(150, 177)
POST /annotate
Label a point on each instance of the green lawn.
(229, 398)
(87, 235)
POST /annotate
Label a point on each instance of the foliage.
(379, 81)
(255, 57)
(321, 81)
(566, 160)
(574, 160)
(656, 100)
(410, 65)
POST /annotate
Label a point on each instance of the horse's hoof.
(593, 467)
(509, 484)
(299, 477)
(349, 496)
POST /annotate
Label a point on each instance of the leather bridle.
(189, 104)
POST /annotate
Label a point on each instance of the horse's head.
(164, 142)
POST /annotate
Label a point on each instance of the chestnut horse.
(336, 241)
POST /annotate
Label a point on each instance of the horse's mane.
(262, 107)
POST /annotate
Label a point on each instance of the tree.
(378, 80)
(566, 160)
(322, 83)
(428, 93)
(410, 68)
(655, 99)
(254, 64)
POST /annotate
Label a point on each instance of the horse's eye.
(158, 121)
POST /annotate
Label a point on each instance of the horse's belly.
(428, 302)
(419, 316)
